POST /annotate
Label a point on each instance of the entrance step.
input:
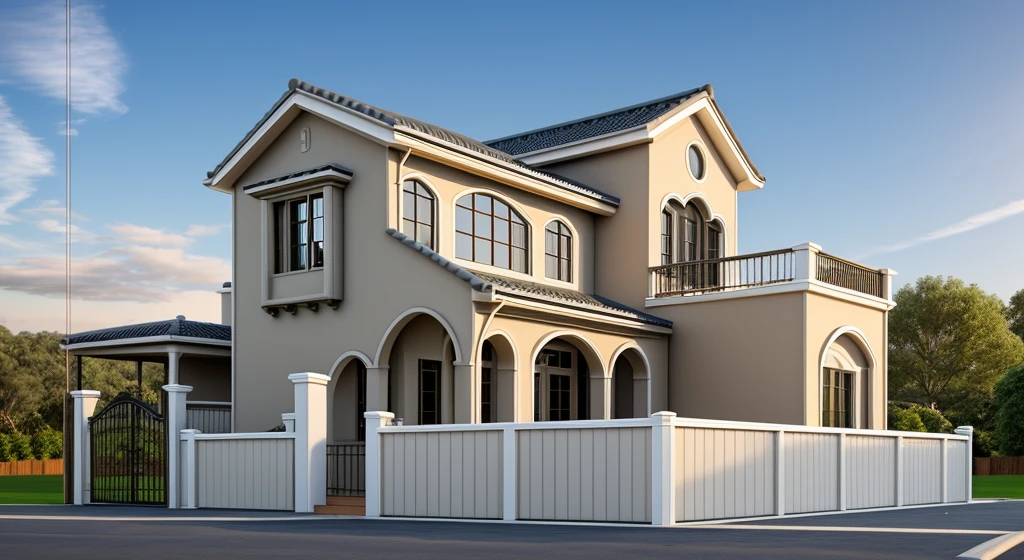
(337, 505)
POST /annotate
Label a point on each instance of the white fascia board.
(813, 286)
(336, 177)
(612, 318)
(498, 171)
(613, 141)
(362, 124)
(164, 339)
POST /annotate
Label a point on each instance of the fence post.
(176, 422)
(288, 419)
(899, 471)
(663, 495)
(805, 261)
(944, 472)
(85, 405)
(780, 467)
(375, 420)
(310, 440)
(508, 483)
(189, 485)
(969, 432)
(842, 471)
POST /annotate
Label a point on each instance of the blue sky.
(889, 132)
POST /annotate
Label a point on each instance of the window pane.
(696, 162)
(518, 260)
(501, 230)
(408, 205)
(518, 235)
(466, 201)
(515, 217)
(463, 220)
(424, 234)
(566, 248)
(550, 243)
(409, 228)
(564, 271)
(463, 246)
(318, 206)
(565, 360)
(422, 190)
(318, 253)
(318, 229)
(409, 186)
(501, 255)
(482, 224)
(425, 210)
(551, 266)
(500, 209)
(483, 203)
(482, 252)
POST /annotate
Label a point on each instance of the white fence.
(238, 471)
(660, 470)
(209, 418)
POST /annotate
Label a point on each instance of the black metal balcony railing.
(713, 275)
(851, 276)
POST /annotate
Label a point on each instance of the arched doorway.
(498, 359)
(630, 382)
(569, 381)
(346, 423)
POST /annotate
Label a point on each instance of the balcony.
(803, 265)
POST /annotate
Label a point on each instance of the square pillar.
(376, 388)
(85, 405)
(663, 492)
(805, 261)
(176, 422)
(189, 486)
(464, 407)
(969, 432)
(600, 398)
(888, 273)
(375, 420)
(310, 440)
(288, 419)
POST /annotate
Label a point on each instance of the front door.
(554, 393)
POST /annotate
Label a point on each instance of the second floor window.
(686, 236)
(418, 212)
(299, 233)
(488, 232)
(558, 251)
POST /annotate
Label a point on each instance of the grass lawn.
(999, 486)
(32, 489)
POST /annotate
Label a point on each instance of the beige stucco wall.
(209, 377)
(738, 359)
(382, 278)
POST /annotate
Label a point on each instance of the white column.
(464, 407)
(842, 471)
(189, 496)
(899, 471)
(944, 471)
(172, 367)
(377, 388)
(508, 482)
(310, 440)
(288, 419)
(375, 420)
(663, 492)
(85, 404)
(805, 261)
(887, 282)
(780, 474)
(600, 398)
(969, 432)
(176, 422)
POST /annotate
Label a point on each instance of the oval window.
(695, 160)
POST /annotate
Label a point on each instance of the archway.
(498, 359)
(844, 380)
(346, 400)
(630, 383)
(419, 352)
(569, 381)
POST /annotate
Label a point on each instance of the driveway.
(110, 533)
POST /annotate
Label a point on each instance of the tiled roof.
(444, 135)
(592, 126)
(298, 174)
(485, 282)
(178, 327)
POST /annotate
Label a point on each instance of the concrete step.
(339, 505)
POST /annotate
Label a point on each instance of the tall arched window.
(418, 212)
(487, 231)
(686, 236)
(558, 251)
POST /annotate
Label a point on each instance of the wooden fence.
(32, 466)
(998, 465)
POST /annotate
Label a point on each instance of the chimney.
(225, 303)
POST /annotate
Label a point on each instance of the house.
(585, 270)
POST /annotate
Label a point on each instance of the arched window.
(418, 212)
(488, 231)
(686, 236)
(558, 251)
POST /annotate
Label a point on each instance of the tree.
(948, 345)
(1015, 313)
(1009, 398)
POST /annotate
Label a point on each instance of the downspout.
(477, 348)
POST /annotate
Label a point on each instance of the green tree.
(1015, 313)
(905, 420)
(20, 391)
(948, 345)
(1009, 398)
(47, 444)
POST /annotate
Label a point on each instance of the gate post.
(310, 440)
(176, 422)
(85, 405)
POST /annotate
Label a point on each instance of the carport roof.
(178, 329)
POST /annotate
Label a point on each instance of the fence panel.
(956, 471)
(922, 471)
(209, 419)
(984, 466)
(32, 467)
(256, 472)
(721, 473)
(811, 472)
(442, 474)
(870, 471)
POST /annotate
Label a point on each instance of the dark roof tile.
(178, 326)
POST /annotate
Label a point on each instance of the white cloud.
(143, 235)
(23, 158)
(51, 207)
(201, 230)
(78, 235)
(32, 40)
(974, 222)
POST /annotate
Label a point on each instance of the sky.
(889, 133)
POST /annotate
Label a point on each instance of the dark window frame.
(837, 398)
(562, 257)
(360, 400)
(299, 237)
(432, 368)
(412, 218)
(482, 212)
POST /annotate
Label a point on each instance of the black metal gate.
(128, 444)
